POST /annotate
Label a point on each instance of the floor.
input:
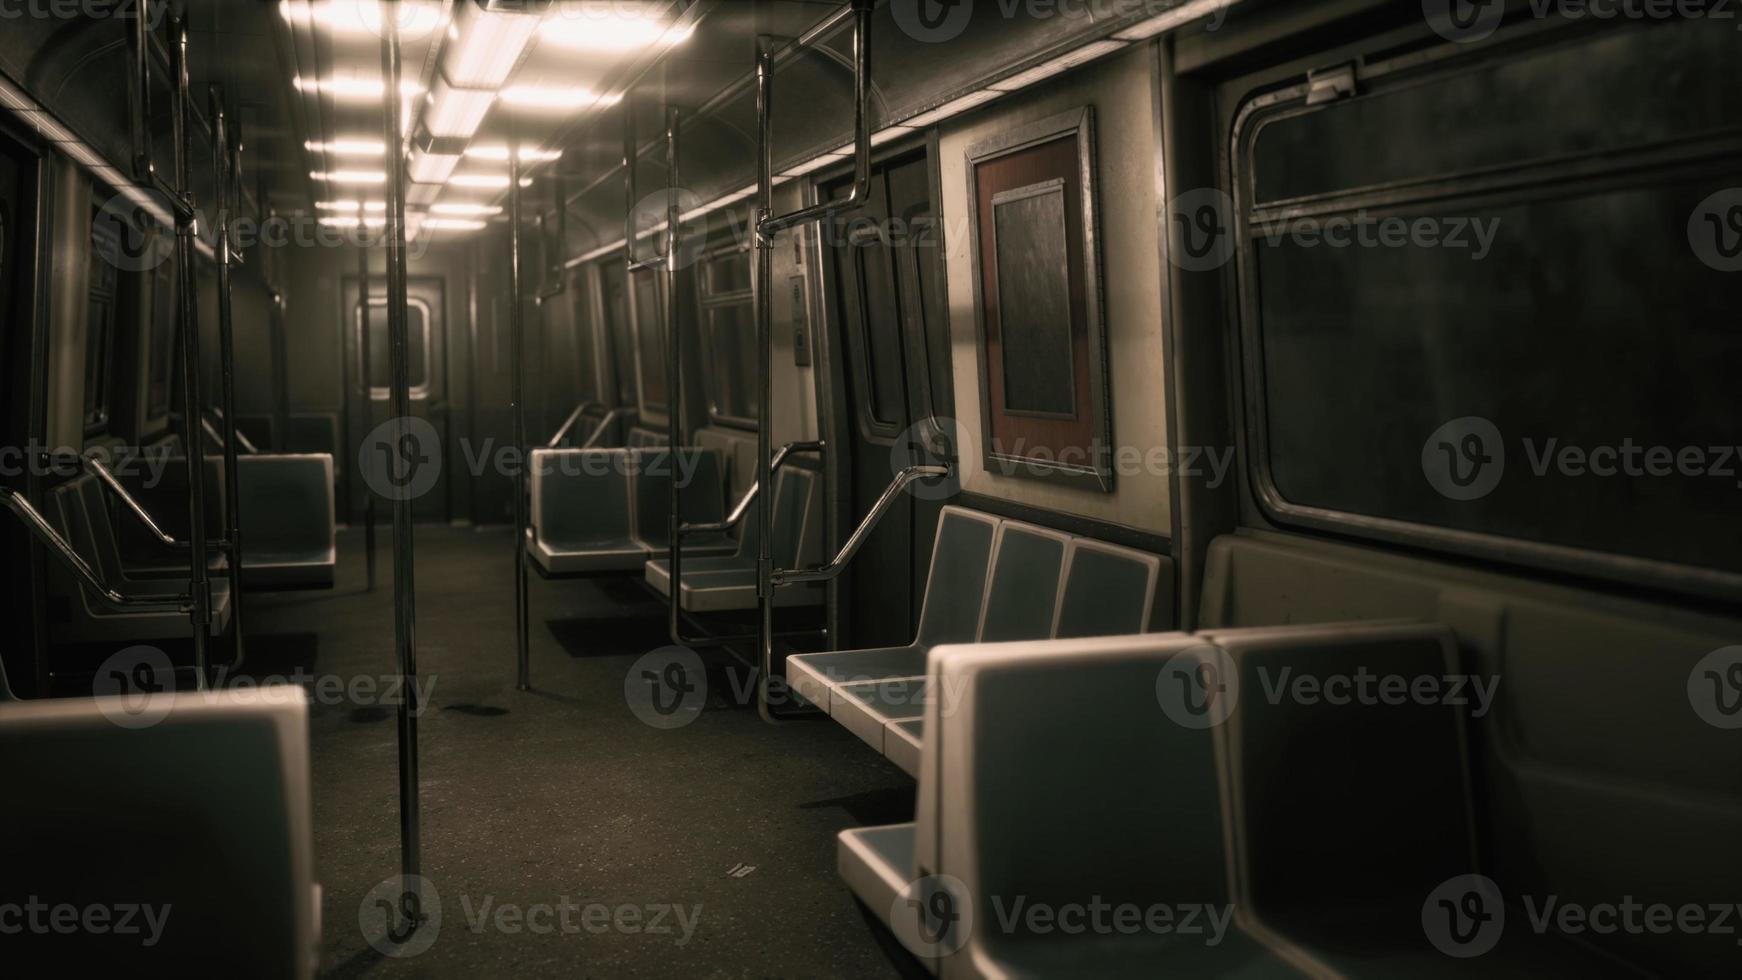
(701, 851)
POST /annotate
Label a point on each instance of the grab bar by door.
(134, 507)
(823, 573)
(742, 507)
(604, 426)
(767, 225)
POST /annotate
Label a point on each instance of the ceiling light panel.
(486, 46)
(607, 27)
(456, 113)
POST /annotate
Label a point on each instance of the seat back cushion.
(580, 497)
(287, 506)
(1108, 591)
(224, 855)
(797, 517)
(1060, 781)
(955, 585)
(1354, 798)
(701, 494)
(1022, 595)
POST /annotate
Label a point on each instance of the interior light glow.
(488, 47)
(348, 147)
(454, 224)
(433, 168)
(415, 18)
(350, 176)
(467, 210)
(499, 153)
(549, 97)
(354, 88)
(949, 109)
(1057, 66)
(1182, 14)
(456, 113)
(604, 27)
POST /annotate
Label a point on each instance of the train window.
(730, 335)
(380, 355)
(1042, 345)
(100, 314)
(161, 371)
(1539, 330)
(650, 356)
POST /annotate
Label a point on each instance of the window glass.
(729, 376)
(650, 340)
(1547, 361)
(100, 313)
(381, 354)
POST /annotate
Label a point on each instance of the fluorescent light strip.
(1057, 66)
(423, 193)
(354, 88)
(494, 182)
(415, 18)
(454, 224)
(350, 176)
(550, 98)
(466, 210)
(432, 168)
(348, 147)
(590, 28)
(456, 113)
(499, 153)
(488, 46)
(1178, 16)
(949, 109)
(815, 163)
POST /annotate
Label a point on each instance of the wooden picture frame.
(1033, 218)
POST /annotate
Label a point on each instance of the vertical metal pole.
(673, 378)
(517, 337)
(404, 584)
(763, 300)
(193, 402)
(222, 169)
(366, 357)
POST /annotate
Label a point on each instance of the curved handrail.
(44, 532)
(569, 423)
(823, 573)
(140, 514)
(742, 507)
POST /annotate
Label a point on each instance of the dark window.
(1553, 365)
(161, 375)
(380, 354)
(729, 376)
(100, 314)
(886, 380)
(650, 341)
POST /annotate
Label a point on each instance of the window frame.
(706, 302)
(1258, 102)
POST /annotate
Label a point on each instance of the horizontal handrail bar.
(742, 507)
(44, 532)
(825, 572)
(604, 426)
(569, 423)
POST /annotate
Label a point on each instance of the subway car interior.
(871, 488)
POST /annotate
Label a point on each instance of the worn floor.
(561, 798)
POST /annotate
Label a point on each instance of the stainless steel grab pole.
(223, 161)
(404, 582)
(107, 478)
(70, 559)
(767, 225)
(368, 371)
(517, 375)
(873, 517)
(193, 400)
(573, 420)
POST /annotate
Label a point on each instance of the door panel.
(426, 328)
(890, 322)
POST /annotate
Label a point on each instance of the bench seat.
(727, 583)
(606, 511)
